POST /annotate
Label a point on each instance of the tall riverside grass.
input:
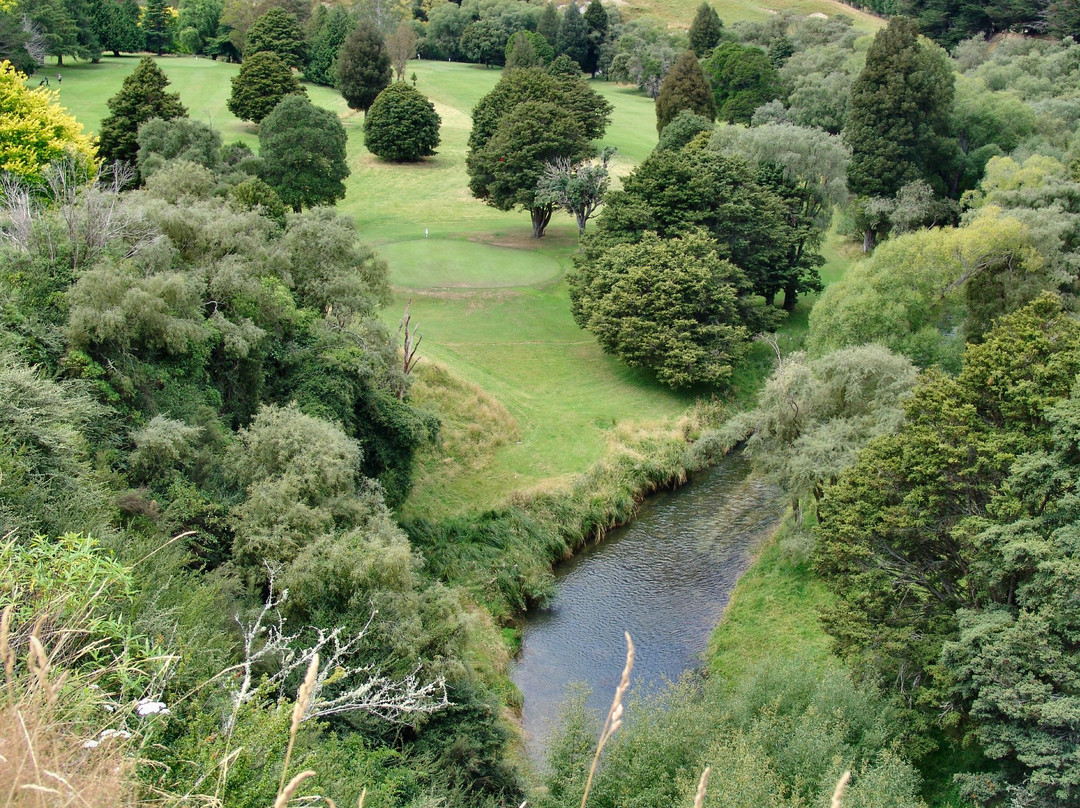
(504, 556)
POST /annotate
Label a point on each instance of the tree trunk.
(791, 295)
(540, 218)
(869, 240)
(582, 218)
(59, 60)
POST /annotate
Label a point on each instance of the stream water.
(665, 578)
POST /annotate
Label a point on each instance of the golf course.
(489, 301)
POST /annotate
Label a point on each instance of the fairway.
(446, 264)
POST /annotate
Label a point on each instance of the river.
(665, 577)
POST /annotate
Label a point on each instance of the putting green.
(448, 264)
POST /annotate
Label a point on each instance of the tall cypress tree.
(596, 21)
(898, 115)
(684, 87)
(142, 97)
(157, 26)
(573, 37)
(363, 66)
(705, 30)
(548, 24)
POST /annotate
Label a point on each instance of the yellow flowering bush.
(35, 130)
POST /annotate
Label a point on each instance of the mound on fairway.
(448, 264)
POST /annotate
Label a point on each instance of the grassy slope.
(681, 12)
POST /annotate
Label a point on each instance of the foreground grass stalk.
(614, 716)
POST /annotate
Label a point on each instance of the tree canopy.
(35, 131)
(402, 124)
(507, 151)
(277, 31)
(898, 120)
(742, 79)
(303, 151)
(262, 82)
(948, 542)
(363, 66)
(684, 87)
(141, 97)
(671, 306)
(705, 30)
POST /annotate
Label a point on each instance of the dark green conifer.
(705, 30)
(142, 97)
(684, 87)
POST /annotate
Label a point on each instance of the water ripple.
(665, 578)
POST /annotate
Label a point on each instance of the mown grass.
(680, 13)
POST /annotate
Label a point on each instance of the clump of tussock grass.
(45, 758)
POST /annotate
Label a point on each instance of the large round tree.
(672, 306)
(262, 82)
(363, 67)
(402, 125)
(142, 96)
(303, 152)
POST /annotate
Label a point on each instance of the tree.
(506, 170)
(199, 21)
(35, 131)
(705, 30)
(548, 24)
(402, 124)
(278, 32)
(484, 42)
(141, 97)
(682, 129)
(60, 30)
(262, 82)
(949, 547)
(912, 294)
(116, 25)
(596, 20)
(161, 141)
(363, 66)
(303, 152)
(521, 51)
(1063, 18)
(673, 193)
(21, 42)
(157, 26)
(669, 305)
(505, 173)
(576, 188)
(898, 119)
(814, 416)
(401, 47)
(332, 27)
(573, 37)
(812, 180)
(742, 79)
(570, 92)
(684, 88)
